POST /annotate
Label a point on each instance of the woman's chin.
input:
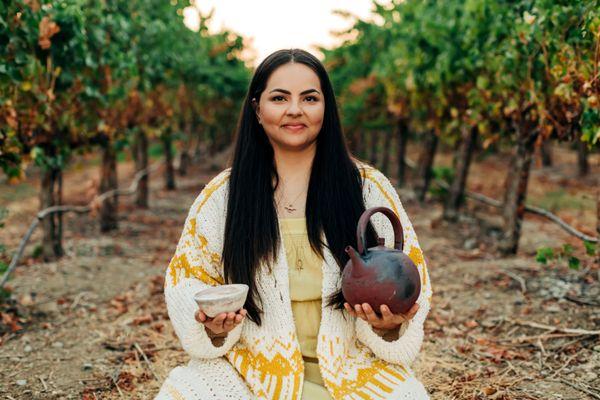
(297, 144)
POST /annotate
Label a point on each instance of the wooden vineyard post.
(51, 195)
(141, 163)
(546, 152)
(598, 224)
(169, 170)
(463, 162)
(108, 181)
(402, 137)
(425, 167)
(583, 166)
(185, 159)
(516, 186)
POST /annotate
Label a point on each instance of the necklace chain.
(290, 207)
(298, 252)
(297, 249)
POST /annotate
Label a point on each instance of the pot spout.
(358, 265)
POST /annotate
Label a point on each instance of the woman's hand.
(387, 322)
(222, 323)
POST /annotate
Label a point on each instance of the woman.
(278, 220)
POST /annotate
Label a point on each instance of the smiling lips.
(294, 127)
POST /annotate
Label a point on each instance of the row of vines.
(472, 74)
(82, 75)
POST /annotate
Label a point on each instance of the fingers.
(388, 316)
(239, 316)
(389, 320)
(413, 311)
(363, 311)
(386, 313)
(200, 316)
(234, 319)
(372, 318)
(223, 322)
(229, 320)
(359, 311)
(350, 310)
(219, 319)
(217, 324)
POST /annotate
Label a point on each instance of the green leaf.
(574, 262)
(590, 248)
(37, 153)
(567, 249)
(544, 254)
(482, 82)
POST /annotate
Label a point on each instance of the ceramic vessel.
(380, 275)
(223, 298)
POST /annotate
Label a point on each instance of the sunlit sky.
(269, 25)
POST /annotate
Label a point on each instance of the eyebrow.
(288, 92)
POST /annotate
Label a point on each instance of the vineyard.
(485, 115)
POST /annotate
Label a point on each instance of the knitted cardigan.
(265, 362)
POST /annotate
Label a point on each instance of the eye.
(274, 98)
(314, 98)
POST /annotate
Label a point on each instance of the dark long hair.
(334, 199)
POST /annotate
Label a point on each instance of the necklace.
(290, 207)
(299, 256)
(296, 251)
(296, 242)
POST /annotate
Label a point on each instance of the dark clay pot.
(380, 275)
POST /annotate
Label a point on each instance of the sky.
(270, 25)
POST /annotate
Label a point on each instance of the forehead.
(293, 77)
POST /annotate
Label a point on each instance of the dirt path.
(76, 312)
(95, 323)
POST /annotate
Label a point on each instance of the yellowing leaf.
(48, 28)
(528, 18)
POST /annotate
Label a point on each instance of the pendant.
(289, 208)
(299, 262)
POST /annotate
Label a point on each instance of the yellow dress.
(305, 278)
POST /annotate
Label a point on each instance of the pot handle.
(362, 227)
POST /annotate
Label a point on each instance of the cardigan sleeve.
(404, 350)
(196, 265)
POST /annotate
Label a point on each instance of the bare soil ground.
(94, 324)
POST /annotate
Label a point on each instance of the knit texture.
(265, 362)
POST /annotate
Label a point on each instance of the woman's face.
(291, 107)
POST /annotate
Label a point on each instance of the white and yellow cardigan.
(264, 362)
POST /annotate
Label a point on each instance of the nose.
(294, 108)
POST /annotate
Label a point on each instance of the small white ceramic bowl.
(223, 298)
